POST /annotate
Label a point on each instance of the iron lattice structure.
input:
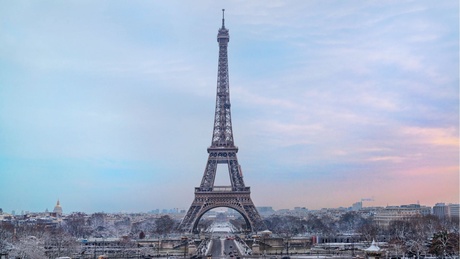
(222, 151)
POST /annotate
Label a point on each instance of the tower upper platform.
(223, 37)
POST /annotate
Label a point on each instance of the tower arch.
(202, 213)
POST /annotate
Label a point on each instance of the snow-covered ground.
(221, 227)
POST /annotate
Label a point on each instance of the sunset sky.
(109, 105)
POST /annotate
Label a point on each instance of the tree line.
(37, 241)
(416, 236)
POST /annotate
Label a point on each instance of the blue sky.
(109, 105)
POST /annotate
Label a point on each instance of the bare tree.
(123, 226)
(431, 224)
(445, 244)
(29, 247)
(75, 225)
(412, 235)
(147, 226)
(349, 222)
(58, 243)
(369, 230)
(399, 232)
(286, 227)
(422, 228)
(164, 225)
(204, 224)
(5, 240)
(321, 226)
(286, 224)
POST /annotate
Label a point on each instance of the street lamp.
(185, 239)
(352, 247)
(103, 245)
(287, 245)
(263, 241)
(158, 247)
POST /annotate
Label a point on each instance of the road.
(221, 247)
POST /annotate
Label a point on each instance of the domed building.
(58, 209)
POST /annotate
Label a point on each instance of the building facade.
(391, 213)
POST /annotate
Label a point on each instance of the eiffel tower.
(222, 151)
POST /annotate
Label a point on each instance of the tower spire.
(223, 18)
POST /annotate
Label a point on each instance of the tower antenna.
(223, 18)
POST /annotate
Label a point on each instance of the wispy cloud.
(326, 96)
(433, 136)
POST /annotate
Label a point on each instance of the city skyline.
(363, 205)
(108, 106)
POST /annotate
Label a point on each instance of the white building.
(404, 212)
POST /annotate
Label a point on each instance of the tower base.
(222, 196)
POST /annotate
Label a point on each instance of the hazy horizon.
(367, 204)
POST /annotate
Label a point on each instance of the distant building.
(424, 210)
(403, 212)
(440, 210)
(155, 211)
(454, 210)
(357, 206)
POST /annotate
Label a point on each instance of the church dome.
(57, 208)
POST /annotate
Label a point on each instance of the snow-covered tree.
(75, 224)
(164, 225)
(29, 247)
(5, 240)
(58, 243)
